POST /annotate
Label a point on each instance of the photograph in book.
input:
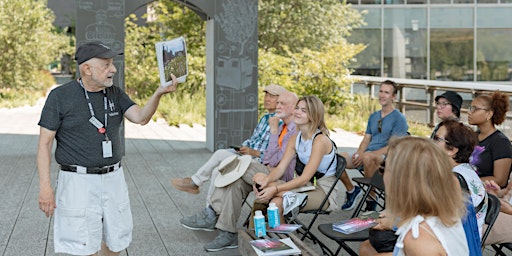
(356, 224)
(275, 247)
(172, 59)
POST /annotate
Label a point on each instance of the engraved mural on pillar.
(236, 71)
(103, 21)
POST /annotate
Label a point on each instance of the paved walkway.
(154, 153)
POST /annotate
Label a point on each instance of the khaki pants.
(227, 201)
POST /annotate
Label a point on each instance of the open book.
(356, 224)
(275, 247)
(172, 59)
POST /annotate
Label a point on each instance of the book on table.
(267, 247)
(284, 228)
(356, 224)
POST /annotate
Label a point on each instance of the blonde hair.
(316, 112)
(421, 182)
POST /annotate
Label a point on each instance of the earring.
(488, 118)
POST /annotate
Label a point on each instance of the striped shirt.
(260, 136)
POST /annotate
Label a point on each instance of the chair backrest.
(493, 209)
(377, 180)
(462, 181)
(341, 164)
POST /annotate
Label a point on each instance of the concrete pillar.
(231, 58)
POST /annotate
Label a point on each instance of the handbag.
(382, 240)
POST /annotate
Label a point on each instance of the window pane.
(405, 43)
(368, 61)
(451, 54)
(494, 58)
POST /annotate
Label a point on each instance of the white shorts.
(92, 207)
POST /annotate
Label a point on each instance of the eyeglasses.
(438, 139)
(442, 104)
(473, 109)
(380, 125)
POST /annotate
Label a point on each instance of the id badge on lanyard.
(106, 145)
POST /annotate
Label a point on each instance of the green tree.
(28, 43)
(302, 46)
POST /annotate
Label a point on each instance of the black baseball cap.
(94, 49)
(454, 98)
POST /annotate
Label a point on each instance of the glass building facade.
(452, 40)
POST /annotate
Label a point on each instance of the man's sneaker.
(185, 184)
(351, 199)
(200, 221)
(225, 240)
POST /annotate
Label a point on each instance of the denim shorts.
(92, 208)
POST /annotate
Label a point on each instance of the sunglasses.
(380, 125)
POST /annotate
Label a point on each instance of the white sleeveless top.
(453, 239)
(304, 148)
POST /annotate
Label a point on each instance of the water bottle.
(259, 224)
(273, 215)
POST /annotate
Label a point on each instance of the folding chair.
(305, 230)
(493, 209)
(499, 248)
(376, 182)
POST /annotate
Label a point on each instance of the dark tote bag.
(382, 240)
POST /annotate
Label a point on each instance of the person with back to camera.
(448, 106)
(494, 154)
(253, 146)
(419, 184)
(84, 116)
(315, 149)
(458, 141)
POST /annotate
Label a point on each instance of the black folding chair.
(305, 230)
(493, 209)
(500, 247)
(341, 239)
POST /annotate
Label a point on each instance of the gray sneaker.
(200, 221)
(225, 240)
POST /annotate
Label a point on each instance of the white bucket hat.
(231, 169)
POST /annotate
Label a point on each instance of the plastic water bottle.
(273, 215)
(259, 224)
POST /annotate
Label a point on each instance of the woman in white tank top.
(317, 152)
(424, 198)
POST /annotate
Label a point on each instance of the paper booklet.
(284, 228)
(275, 247)
(172, 58)
(356, 224)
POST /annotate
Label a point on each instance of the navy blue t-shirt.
(78, 141)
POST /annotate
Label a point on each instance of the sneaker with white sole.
(200, 221)
(225, 240)
(352, 198)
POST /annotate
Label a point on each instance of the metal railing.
(416, 98)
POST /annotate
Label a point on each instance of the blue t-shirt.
(394, 124)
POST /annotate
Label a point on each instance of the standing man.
(254, 146)
(448, 106)
(84, 116)
(382, 125)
